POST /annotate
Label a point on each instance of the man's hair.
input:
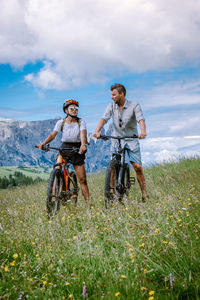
(119, 87)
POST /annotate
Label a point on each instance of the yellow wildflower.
(143, 288)
(145, 270)
(151, 293)
(117, 294)
(151, 298)
(123, 276)
(67, 283)
(12, 264)
(6, 269)
(15, 255)
(44, 282)
(70, 296)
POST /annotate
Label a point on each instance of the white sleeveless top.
(71, 132)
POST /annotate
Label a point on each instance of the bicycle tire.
(110, 190)
(54, 191)
(73, 189)
(126, 180)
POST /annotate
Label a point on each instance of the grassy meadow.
(137, 251)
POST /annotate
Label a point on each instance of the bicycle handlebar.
(47, 148)
(106, 137)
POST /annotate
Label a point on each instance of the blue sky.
(55, 50)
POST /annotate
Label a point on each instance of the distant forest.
(17, 179)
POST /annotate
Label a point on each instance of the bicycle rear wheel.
(54, 191)
(110, 191)
(72, 188)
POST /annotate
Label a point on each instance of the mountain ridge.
(18, 140)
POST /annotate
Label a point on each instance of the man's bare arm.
(142, 125)
(102, 122)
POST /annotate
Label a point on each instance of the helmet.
(69, 102)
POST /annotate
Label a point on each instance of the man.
(125, 115)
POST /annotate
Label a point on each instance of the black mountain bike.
(118, 180)
(62, 185)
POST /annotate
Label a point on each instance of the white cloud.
(170, 94)
(161, 150)
(184, 125)
(84, 40)
(47, 78)
(192, 137)
(179, 122)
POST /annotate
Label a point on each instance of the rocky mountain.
(18, 138)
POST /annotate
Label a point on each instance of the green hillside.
(138, 251)
(33, 172)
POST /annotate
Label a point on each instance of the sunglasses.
(120, 122)
(73, 108)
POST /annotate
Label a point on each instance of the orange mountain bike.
(62, 185)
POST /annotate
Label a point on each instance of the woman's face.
(72, 110)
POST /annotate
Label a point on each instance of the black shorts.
(76, 158)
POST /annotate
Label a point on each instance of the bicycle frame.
(62, 163)
(119, 156)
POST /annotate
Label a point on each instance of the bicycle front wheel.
(126, 180)
(110, 192)
(54, 191)
(72, 187)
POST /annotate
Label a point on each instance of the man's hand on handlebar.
(96, 134)
(142, 136)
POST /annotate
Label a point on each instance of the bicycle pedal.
(132, 180)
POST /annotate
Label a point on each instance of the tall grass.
(137, 251)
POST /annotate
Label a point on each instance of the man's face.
(116, 96)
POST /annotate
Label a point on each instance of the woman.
(74, 134)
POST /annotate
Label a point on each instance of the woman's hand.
(40, 146)
(82, 149)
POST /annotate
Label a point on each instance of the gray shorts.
(134, 155)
